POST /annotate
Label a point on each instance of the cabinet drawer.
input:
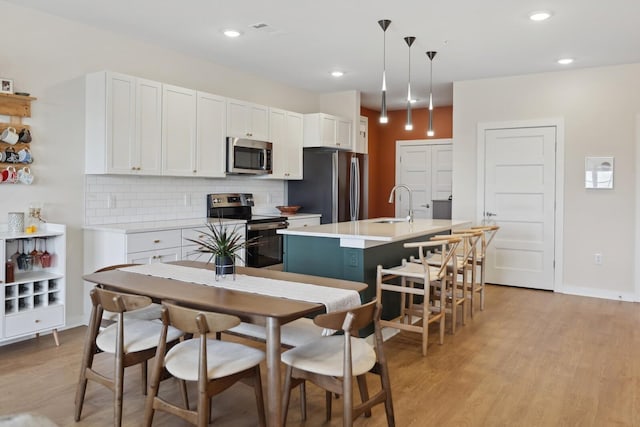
(138, 242)
(33, 321)
(149, 257)
(303, 222)
(193, 233)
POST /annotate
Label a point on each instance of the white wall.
(599, 106)
(48, 57)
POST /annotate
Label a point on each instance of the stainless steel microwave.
(248, 156)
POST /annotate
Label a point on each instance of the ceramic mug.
(25, 176)
(9, 175)
(3, 156)
(24, 156)
(10, 155)
(9, 135)
(24, 136)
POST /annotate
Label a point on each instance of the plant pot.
(224, 265)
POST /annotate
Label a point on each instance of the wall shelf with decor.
(16, 107)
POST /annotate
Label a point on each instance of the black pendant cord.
(384, 24)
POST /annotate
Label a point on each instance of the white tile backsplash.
(159, 198)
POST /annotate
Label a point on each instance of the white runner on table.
(334, 299)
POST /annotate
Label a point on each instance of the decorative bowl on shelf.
(288, 210)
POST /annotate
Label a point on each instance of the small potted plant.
(223, 244)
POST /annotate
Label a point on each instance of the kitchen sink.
(390, 220)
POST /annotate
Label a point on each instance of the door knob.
(426, 205)
(490, 214)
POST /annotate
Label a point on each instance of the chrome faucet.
(395, 187)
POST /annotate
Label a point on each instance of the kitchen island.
(352, 250)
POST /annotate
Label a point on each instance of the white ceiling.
(306, 39)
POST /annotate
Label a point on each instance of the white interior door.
(426, 168)
(414, 170)
(519, 196)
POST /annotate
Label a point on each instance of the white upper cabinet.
(211, 136)
(362, 140)
(123, 120)
(247, 120)
(325, 130)
(286, 134)
(178, 131)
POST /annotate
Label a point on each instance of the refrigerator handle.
(356, 163)
(352, 190)
(334, 185)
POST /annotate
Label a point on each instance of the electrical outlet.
(597, 258)
(187, 200)
(111, 201)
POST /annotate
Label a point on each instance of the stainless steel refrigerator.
(334, 184)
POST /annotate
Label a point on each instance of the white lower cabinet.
(34, 301)
(104, 246)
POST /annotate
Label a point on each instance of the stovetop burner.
(236, 206)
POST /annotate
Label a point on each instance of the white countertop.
(372, 232)
(140, 227)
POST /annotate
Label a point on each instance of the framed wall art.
(6, 85)
(598, 172)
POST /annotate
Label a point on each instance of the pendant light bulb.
(384, 24)
(409, 124)
(431, 54)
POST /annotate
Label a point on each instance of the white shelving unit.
(34, 301)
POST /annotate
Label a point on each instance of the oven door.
(268, 251)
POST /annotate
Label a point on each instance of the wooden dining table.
(271, 312)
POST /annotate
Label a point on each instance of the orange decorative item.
(288, 210)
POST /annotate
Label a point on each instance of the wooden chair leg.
(303, 400)
(286, 394)
(425, 324)
(183, 393)
(257, 386)
(143, 377)
(89, 352)
(56, 339)
(328, 396)
(364, 392)
(118, 391)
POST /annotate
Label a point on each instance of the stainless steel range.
(238, 206)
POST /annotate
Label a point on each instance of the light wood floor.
(532, 358)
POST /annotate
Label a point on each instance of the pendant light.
(431, 54)
(409, 124)
(384, 24)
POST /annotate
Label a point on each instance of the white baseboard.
(598, 293)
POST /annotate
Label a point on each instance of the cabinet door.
(237, 119)
(178, 131)
(343, 134)
(120, 124)
(362, 142)
(246, 120)
(211, 135)
(328, 131)
(148, 121)
(294, 138)
(277, 136)
(259, 122)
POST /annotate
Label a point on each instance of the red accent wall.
(382, 149)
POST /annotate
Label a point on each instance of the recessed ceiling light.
(232, 33)
(337, 73)
(541, 15)
(565, 61)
